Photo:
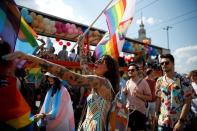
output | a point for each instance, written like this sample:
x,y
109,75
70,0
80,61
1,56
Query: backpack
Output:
x,y
118,115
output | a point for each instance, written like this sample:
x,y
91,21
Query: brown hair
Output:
x,y
113,72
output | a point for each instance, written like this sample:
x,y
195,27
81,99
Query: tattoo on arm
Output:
x,y
73,78
45,65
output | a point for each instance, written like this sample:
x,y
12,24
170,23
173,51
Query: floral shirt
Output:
x,y
172,95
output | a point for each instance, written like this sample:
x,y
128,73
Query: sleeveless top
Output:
x,y
97,109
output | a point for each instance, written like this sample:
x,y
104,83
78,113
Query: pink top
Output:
x,y
134,102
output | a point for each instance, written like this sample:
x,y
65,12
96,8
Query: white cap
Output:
x,y
49,74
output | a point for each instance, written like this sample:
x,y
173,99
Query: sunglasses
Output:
x,y
166,63
43,71
132,70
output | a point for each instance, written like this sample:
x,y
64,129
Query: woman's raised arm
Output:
x,y
58,70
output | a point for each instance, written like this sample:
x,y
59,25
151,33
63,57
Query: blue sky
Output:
x,y
181,15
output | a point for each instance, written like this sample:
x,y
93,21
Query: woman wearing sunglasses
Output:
x,y
104,85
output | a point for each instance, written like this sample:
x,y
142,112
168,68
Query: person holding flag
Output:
x,y
14,111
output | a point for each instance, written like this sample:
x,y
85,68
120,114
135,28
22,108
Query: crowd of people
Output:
x,y
165,103
49,53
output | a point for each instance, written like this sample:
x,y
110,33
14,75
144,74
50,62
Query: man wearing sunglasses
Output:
x,y
174,93
138,92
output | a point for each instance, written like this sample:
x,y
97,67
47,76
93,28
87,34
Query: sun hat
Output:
x,y
49,74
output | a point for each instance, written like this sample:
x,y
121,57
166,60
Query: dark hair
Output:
x,y
73,50
56,86
168,56
20,72
4,50
64,46
52,49
135,65
149,71
112,73
121,73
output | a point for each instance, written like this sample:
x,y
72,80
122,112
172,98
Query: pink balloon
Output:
x,y
80,32
75,31
62,25
67,25
59,30
64,29
70,31
73,25
56,24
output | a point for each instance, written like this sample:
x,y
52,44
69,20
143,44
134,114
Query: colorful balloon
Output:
x,y
28,19
67,25
57,39
70,31
33,15
60,43
24,12
39,18
68,43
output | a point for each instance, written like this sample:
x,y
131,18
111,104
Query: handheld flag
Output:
x,y
13,26
114,15
113,41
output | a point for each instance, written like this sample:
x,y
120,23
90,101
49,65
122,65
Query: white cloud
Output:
x,y
148,21
59,9
54,7
185,59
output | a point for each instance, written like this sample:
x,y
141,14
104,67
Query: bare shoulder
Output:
x,y
98,82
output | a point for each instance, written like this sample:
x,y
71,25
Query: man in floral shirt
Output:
x,y
174,94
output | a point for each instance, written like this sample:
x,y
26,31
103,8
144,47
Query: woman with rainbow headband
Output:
x,y
14,110
57,112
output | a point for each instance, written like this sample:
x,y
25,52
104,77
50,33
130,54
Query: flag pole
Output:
x,y
87,30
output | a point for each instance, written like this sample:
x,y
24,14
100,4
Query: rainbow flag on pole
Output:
x,y
114,15
13,26
113,45
113,40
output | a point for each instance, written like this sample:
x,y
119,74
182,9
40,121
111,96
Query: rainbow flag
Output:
x,y
26,33
13,26
119,18
14,110
113,45
114,15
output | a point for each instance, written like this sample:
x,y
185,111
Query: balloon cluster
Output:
x,y
45,25
67,29
25,14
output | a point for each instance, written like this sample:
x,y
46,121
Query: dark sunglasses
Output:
x,y
166,63
132,70
43,71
